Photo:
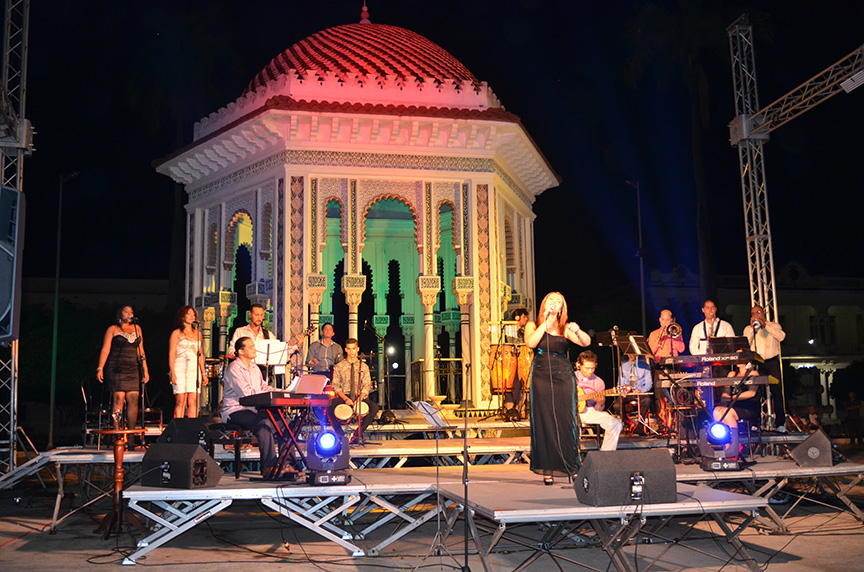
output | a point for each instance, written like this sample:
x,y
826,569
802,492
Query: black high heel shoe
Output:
x,y
548,480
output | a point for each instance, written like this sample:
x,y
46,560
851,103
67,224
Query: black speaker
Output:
x,y
815,451
186,431
179,467
11,261
638,476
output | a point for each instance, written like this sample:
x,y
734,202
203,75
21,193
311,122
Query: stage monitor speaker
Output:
x,y
638,476
179,467
186,431
11,261
815,451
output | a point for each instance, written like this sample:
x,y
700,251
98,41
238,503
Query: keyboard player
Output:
x,y
747,406
242,378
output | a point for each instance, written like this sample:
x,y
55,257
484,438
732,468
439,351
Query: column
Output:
x,y
381,323
407,325
463,287
428,287
316,285
353,286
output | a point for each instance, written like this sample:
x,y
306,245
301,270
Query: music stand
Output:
x,y
635,345
433,417
728,345
271,353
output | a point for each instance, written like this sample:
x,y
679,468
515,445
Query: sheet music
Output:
x,y
271,352
430,414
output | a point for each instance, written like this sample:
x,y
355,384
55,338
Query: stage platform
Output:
x,y
381,506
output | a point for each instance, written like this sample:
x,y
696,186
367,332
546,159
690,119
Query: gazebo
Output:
x,y
365,171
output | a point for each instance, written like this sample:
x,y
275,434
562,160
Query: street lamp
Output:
x,y
53,392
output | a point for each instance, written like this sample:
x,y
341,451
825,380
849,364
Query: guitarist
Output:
x,y
588,382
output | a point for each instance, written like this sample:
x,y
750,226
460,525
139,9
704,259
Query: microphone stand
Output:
x,y
465,567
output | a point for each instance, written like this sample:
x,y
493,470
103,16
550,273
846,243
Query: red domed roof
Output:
x,y
365,50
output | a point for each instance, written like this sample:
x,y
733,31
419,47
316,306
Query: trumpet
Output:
x,y
673,330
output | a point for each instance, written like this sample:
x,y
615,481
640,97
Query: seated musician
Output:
x,y
588,382
748,406
323,354
242,377
352,384
636,374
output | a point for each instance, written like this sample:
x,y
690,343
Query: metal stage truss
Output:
x,y
498,507
344,515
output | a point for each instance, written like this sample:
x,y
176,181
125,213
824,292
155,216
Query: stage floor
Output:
x,y
251,533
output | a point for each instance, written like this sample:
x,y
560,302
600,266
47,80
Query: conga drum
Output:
x,y
526,358
502,364
344,412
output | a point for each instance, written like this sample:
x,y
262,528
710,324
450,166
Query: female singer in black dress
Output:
x,y
553,389
123,364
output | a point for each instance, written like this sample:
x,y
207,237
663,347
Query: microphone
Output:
x,y
756,326
134,320
195,324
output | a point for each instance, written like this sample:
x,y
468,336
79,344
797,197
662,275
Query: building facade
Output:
x,y
361,159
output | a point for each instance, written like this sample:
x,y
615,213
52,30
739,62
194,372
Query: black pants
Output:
x,y
772,367
265,432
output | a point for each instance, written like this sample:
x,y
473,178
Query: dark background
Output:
x,y
114,86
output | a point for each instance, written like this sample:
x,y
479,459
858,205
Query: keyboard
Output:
x,y
708,359
719,381
285,399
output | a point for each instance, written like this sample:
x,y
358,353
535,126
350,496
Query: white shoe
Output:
x,y
781,429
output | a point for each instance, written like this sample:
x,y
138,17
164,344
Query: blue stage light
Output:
x,y
327,443
719,434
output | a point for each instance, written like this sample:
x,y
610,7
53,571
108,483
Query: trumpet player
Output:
x,y
764,338
667,340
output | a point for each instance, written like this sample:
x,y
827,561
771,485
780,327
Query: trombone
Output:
x,y
673,331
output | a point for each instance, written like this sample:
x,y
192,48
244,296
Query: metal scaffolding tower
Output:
x,y
750,130
16,137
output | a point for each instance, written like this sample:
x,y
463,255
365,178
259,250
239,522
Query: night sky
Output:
x,y
113,86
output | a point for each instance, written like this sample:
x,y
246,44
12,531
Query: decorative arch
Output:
x,y
454,234
324,204
398,199
231,236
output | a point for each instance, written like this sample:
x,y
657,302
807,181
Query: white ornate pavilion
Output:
x,y
360,151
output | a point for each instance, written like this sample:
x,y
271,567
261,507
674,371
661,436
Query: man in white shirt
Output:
x,y
765,338
710,327
254,329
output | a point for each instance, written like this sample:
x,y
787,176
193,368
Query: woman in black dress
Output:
x,y
553,389
123,364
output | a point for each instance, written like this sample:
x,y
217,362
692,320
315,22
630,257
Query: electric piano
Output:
x,y
276,404
691,380
707,359
276,399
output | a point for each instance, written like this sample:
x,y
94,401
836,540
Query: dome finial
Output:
x,y
364,15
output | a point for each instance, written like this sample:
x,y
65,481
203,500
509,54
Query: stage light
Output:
x,y
395,365
811,341
719,434
391,350
718,445
327,444
327,458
